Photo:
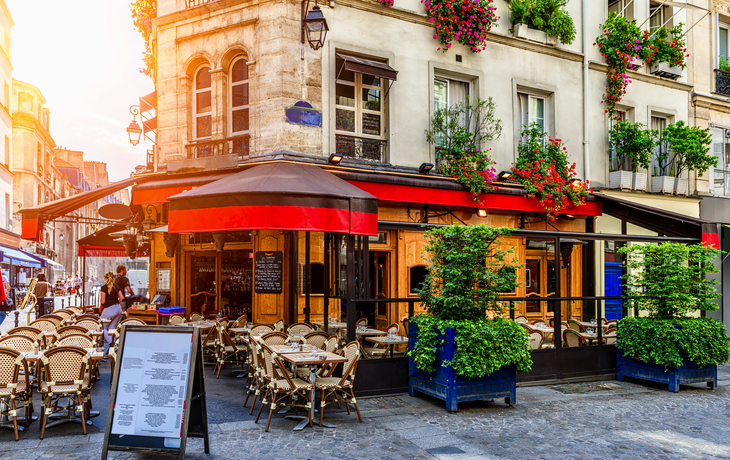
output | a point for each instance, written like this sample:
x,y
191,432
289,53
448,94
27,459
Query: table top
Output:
x,y
306,359
239,330
385,340
589,324
287,349
34,356
334,325
368,332
195,324
106,320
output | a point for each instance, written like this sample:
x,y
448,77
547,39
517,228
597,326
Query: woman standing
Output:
x,y
111,296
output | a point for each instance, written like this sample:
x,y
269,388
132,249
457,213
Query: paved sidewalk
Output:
x,y
598,420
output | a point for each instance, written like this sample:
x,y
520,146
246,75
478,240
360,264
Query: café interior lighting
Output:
x,y
425,168
334,159
482,212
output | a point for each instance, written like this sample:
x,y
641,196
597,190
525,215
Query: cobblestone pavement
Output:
x,y
597,420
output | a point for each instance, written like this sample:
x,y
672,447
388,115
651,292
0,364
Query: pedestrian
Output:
x,y
5,306
42,291
111,297
123,282
77,285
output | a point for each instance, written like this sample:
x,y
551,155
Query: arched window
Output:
x,y
239,96
202,102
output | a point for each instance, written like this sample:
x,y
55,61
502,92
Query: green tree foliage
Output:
x,y
468,270
143,12
632,141
690,147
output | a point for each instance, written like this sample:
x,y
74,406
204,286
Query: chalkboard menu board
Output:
x,y
268,269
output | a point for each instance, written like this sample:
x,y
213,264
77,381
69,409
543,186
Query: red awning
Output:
x,y
495,201
157,190
35,217
102,244
284,196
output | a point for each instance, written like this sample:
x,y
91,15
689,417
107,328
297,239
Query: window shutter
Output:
x,y
723,42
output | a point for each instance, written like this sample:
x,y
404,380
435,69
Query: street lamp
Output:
x,y
149,223
314,25
133,130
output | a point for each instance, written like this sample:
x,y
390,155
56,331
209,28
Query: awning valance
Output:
x,y
35,217
284,196
102,244
156,190
22,258
50,262
368,67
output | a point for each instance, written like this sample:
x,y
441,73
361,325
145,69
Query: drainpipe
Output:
x,y
586,129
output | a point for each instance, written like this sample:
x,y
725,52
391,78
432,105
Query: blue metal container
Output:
x,y
685,374
445,385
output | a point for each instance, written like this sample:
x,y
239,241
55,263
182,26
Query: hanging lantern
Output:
x,y
171,240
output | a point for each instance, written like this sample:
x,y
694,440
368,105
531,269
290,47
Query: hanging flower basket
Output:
x,y
466,22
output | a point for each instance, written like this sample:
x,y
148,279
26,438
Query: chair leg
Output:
x,y
354,403
248,393
255,397
83,411
321,408
13,407
261,406
44,416
271,412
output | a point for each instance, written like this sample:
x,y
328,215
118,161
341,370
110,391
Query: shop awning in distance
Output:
x,y
18,257
35,216
663,222
283,196
102,244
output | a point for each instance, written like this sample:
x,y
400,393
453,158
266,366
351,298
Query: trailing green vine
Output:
x,y
459,132
703,341
143,12
468,270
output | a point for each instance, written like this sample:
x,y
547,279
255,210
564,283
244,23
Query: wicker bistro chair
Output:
x,y
68,330
89,324
131,321
87,316
254,373
279,325
536,339
274,338
317,339
15,390
378,349
330,346
58,320
75,310
30,332
301,329
228,351
195,317
339,389
572,338
240,322
361,322
521,319
64,379
175,320
21,343
575,325
281,387
77,340
44,325
261,329
539,323
610,337
66,315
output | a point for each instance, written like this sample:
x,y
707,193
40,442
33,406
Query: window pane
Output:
x,y
240,120
343,74
371,124
345,95
371,99
203,78
370,80
240,95
440,95
202,128
719,182
240,71
657,18
202,102
345,120
537,112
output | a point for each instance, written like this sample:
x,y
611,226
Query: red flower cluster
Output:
x,y
464,21
387,3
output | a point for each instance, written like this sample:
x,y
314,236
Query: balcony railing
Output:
x,y
361,148
722,82
194,3
238,145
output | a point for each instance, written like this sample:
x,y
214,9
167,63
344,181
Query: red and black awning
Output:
x,y
284,196
103,244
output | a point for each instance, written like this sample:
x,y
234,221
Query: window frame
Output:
x,y
720,27
447,80
197,91
627,6
247,106
359,110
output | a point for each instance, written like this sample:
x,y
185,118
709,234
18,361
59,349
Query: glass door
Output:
x,y
539,282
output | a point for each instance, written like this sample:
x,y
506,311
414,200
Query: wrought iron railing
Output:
x,y
194,3
238,145
722,82
361,148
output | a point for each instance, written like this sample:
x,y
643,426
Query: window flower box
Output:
x,y
446,386
680,186
664,69
685,374
662,184
620,180
520,30
552,40
636,63
638,181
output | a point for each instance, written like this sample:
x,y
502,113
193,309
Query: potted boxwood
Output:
x,y
630,142
548,17
670,343
690,146
463,348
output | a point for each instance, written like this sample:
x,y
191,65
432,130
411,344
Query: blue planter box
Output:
x,y
445,385
686,374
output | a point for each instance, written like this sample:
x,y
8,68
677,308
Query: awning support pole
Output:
x,y
83,278
307,277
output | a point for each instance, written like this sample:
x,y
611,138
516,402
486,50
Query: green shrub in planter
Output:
x,y
668,283
468,270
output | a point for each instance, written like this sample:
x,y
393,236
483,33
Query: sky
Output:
x,y
84,56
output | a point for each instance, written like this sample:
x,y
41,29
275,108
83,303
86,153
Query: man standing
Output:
x,y
123,283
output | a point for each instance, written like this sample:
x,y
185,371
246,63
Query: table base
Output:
x,y
8,424
304,422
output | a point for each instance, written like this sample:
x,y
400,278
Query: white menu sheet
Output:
x,y
153,381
